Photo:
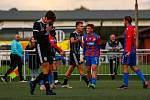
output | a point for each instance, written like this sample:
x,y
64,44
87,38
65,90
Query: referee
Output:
x,y
40,33
16,59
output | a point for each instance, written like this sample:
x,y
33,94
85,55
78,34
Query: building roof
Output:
x,y
73,15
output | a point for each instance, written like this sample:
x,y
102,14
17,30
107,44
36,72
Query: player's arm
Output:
x,y
84,45
54,45
72,39
119,47
128,41
98,41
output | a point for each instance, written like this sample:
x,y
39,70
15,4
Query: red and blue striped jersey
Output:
x,y
91,45
130,39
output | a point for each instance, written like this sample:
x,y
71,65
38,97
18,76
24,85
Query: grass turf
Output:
x,y
105,90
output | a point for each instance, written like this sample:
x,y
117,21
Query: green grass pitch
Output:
x,y
105,90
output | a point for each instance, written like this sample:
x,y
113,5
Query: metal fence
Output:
x,y
143,62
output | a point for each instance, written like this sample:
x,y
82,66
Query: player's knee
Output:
x,y
93,68
45,71
54,68
54,63
88,68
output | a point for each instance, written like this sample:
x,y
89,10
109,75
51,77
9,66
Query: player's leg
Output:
x,y
19,63
80,68
136,70
89,75
12,67
88,68
70,69
111,68
55,72
94,62
140,75
68,74
125,61
83,76
116,65
125,77
49,78
44,59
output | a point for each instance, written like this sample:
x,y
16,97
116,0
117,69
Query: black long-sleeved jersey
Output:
x,y
39,32
75,47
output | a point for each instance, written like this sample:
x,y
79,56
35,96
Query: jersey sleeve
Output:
x,y
53,44
98,41
72,35
84,44
37,30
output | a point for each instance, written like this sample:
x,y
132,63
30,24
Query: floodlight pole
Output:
x,y
136,23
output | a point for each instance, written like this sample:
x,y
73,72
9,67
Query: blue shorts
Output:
x,y
91,60
130,60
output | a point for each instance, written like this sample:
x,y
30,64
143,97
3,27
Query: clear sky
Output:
x,y
72,4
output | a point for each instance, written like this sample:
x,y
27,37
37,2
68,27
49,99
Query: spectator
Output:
x,y
32,59
113,46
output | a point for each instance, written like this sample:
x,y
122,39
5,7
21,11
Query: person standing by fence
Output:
x,y
129,54
33,61
16,58
113,46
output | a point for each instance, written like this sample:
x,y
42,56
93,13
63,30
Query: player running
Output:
x,y
129,54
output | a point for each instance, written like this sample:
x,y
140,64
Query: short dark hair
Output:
x,y
128,18
90,25
78,22
50,15
112,34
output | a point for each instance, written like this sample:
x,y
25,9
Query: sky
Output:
x,y
72,4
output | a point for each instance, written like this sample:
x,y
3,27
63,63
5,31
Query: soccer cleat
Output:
x,y
50,92
4,79
32,87
66,86
123,87
57,83
92,86
145,84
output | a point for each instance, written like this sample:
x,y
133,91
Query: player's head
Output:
x,y
112,37
50,17
79,26
89,28
32,40
17,37
127,20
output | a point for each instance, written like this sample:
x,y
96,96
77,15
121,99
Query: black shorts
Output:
x,y
44,53
74,59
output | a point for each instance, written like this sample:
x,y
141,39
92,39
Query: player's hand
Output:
x,y
48,29
113,48
62,53
127,54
